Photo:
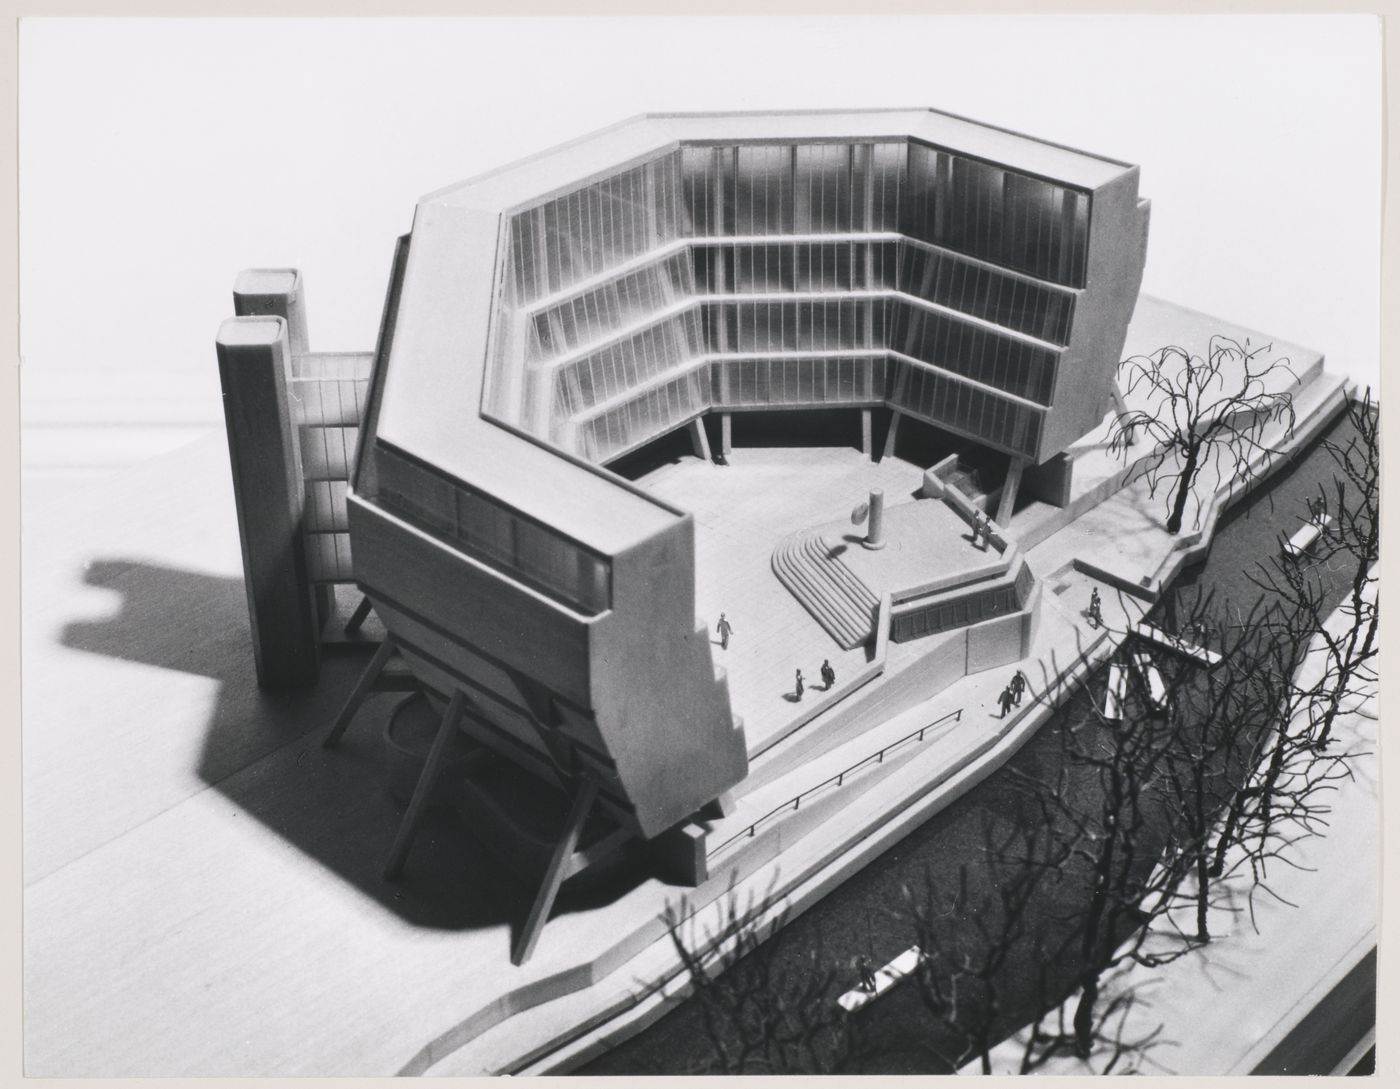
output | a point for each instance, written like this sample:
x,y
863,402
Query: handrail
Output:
x,y
839,779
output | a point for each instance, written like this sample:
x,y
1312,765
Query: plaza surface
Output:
x,y
925,543
744,508
202,891
741,511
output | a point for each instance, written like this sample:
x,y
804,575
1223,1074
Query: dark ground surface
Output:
x,y
819,949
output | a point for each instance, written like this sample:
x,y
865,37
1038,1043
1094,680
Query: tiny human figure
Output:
x,y
1317,508
981,532
1006,699
867,975
1096,608
799,684
723,630
1018,686
828,674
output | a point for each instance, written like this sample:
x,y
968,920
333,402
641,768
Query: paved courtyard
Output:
x,y
741,512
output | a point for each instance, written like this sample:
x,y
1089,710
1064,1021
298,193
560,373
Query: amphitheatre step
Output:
x,y
850,585
841,624
835,597
815,595
849,594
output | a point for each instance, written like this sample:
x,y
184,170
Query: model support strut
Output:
x,y
561,863
427,779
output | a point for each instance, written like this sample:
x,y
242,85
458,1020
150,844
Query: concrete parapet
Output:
x,y
995,643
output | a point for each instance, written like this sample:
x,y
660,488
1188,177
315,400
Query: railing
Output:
x,y
794,804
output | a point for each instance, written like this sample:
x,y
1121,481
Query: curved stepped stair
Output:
x,y
839,601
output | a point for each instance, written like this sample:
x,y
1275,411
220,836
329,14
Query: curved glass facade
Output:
x,y
733,276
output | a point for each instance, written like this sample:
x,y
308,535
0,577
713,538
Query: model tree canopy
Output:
x,y
1204,412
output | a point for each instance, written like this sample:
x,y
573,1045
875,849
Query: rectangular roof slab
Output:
x,y
568,166
432,395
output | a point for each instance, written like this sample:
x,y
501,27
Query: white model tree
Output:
x,y
1200,413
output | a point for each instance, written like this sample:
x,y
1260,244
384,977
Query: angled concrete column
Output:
x,y
891,434
262,292
1007,506
1120,406
269,492
699,441
554,874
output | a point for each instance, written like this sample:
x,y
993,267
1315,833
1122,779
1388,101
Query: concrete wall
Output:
x,y
1118,222
664,715
632,692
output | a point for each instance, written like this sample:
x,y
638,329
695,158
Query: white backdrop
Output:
x,y
159,157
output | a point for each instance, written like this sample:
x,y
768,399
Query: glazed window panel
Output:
x,y
751,379
522,258
976,211
697,190
858,165
876,375
837,188
771,324
887,168
492,533
774,387
775,260
1021,306
945,268
850,331
917,192
485,526
743,270
547,559
551,246
760,173
814,266
727,211
823,178
743,388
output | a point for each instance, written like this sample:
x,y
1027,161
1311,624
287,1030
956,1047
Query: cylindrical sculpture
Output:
x,y
874,537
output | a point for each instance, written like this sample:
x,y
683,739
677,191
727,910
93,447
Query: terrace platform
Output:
x,y
927,549
741,510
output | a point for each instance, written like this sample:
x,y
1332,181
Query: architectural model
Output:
x,y
539,483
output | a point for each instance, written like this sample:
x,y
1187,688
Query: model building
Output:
x,y
552,317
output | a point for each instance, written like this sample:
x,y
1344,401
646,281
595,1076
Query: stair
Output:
x,y
835,597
